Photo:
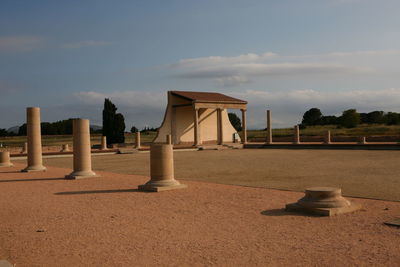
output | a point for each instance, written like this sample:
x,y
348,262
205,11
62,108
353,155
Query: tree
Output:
x,y
312,117
134,129
350,118
392,118
113,123
235,121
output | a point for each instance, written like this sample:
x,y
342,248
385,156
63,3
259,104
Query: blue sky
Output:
x,y
288,56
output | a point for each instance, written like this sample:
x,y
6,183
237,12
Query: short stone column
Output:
x,y
269,127
296,139
82,153
65,148
326,201
168,139
24,148
35,162
5,159
363,140
327,137
161,169
104,143
137,140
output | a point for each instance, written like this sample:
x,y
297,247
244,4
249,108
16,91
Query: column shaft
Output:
x,y
34,140
269,127
244,126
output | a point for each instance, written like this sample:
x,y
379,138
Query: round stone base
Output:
x,y
325,201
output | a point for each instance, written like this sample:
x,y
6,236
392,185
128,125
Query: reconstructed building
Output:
x,y
200,118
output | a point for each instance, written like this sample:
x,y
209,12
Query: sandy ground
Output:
x,y
360,173
48,221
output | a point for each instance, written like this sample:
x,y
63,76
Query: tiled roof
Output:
x,y
208,97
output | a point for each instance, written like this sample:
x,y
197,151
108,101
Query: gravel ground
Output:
x,y
48,221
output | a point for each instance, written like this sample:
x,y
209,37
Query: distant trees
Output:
x,y
134,129
51,128
113,123
312,117
350,118
235,121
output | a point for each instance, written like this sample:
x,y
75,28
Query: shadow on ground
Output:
x,y
283,212
98,192
31,180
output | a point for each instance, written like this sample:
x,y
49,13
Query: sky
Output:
x,y
284,55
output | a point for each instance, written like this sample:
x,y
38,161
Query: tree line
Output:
x,y
350,118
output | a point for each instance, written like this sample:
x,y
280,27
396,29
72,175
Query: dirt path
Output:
x,y
48,221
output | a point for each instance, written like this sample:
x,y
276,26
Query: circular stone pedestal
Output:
x,y
5,159
325,201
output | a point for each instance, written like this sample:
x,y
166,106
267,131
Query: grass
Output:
x,y
361,130
58,140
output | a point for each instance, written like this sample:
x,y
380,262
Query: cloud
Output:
x,y
236,70
20,43
88,43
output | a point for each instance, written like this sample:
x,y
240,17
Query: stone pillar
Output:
x,y
196,127
244,126
328,137
137,139
82,153
161,170
269,127
168,139
220,127
363,140
5,159
34,140
104,143
24,148
65,148
296,135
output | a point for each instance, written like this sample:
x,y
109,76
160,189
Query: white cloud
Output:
x,y
20,43
88,43
232,71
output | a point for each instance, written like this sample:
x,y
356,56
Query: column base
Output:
x,y
323,211
6,165
34,169
161,185
151,188
78,175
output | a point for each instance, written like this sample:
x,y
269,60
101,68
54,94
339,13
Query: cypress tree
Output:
x,y
113,123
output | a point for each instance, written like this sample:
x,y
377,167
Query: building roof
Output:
x,y
208,97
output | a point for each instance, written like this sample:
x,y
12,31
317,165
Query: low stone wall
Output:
x,y
394,138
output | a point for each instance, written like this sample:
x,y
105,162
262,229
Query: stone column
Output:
x,y
196,127
65,148
168,139
82,153
363,140
24,148
328,137
296,135
34,140
104,143
220,126
137,139
161,169
244,126
5,159
269,127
